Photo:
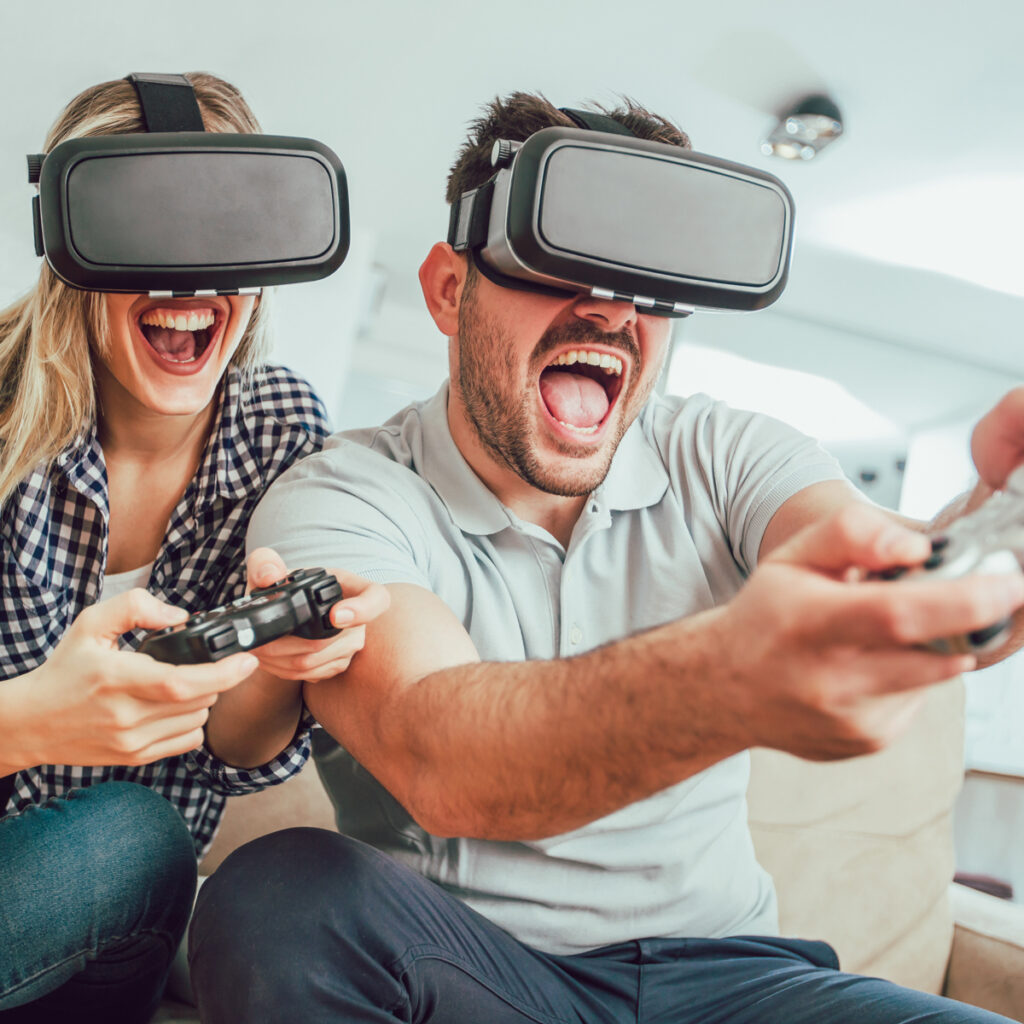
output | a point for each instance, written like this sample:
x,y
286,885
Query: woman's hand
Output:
x,y
93,704
295,658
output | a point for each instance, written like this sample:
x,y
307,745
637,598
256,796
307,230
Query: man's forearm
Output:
x,y
518,750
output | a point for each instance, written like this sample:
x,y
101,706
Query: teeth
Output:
x,y
177,320
609,363
581,430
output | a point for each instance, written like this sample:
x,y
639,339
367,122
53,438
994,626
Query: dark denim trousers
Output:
x,y
305,925
96,890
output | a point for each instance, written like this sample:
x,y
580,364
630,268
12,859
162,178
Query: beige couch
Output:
x,y
861,852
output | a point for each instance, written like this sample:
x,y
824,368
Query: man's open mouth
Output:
x,y
580,387
179,335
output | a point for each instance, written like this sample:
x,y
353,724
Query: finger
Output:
x,y
362,603
330,670
918,610
134,609
153,711
859,535
303,661
152,680
997,443
292,647
264,567
171,746
905,670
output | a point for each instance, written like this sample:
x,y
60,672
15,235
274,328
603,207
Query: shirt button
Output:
x,y
575,635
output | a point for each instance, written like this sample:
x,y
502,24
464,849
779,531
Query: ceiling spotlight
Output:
x,y
807,129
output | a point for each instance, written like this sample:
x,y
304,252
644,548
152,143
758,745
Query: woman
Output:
x,y
136,436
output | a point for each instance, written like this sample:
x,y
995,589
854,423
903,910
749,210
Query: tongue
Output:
x,y
573,398
179,346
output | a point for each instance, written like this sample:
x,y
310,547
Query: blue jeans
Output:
x,y
96,893
310,926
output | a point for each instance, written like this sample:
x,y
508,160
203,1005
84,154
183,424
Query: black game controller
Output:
x,y
988,540
299,604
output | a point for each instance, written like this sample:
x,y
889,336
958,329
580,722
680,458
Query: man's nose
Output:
x,y
609,315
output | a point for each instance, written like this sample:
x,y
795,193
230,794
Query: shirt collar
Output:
x,y
470,503
228,469
636,479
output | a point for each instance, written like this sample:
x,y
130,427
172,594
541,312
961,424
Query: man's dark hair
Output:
x,y
517,116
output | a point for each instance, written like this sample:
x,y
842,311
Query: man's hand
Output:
x,y
93,704
295,658
825,664
997,444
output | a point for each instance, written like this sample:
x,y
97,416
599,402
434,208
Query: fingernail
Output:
x,y
265,570
341,616
248,663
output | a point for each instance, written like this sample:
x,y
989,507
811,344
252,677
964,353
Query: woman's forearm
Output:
x,y
251,724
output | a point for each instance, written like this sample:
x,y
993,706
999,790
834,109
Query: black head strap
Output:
x,y
595,122
168,103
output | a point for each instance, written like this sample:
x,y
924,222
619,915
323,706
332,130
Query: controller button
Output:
x,y
221,639
893,573
246,636
980,637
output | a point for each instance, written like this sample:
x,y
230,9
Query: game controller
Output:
x,y
300,604
988,540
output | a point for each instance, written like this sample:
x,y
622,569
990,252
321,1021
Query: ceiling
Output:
x,y
910,229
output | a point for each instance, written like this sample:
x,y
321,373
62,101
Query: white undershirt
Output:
x,y
115,583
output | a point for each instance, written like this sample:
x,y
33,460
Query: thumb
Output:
x,y
264,567
857,536
135,609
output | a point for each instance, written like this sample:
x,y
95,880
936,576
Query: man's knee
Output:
x,y
289,886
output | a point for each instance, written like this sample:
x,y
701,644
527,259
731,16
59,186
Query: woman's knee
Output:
x,y
139,836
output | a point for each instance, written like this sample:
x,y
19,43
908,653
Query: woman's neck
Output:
x,y
129,432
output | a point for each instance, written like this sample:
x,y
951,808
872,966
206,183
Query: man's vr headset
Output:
x,y
180,211
596,210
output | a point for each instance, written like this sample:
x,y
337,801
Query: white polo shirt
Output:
x,y
673,530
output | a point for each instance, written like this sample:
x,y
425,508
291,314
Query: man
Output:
x,y
546,733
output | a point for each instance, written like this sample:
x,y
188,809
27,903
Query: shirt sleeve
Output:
x,y
349,508
746,464
228,780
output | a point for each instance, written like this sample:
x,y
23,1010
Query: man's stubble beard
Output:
x,y
502,416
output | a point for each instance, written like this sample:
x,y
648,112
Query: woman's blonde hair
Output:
x,y
46,380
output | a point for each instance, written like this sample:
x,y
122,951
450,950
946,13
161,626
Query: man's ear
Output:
x,y
442,277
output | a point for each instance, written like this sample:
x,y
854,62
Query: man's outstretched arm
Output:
x,y
801,660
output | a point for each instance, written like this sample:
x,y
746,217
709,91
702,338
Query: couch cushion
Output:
x,y
862,850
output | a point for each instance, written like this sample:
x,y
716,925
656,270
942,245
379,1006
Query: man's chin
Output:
x,y
570,475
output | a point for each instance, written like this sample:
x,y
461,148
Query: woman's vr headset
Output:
x,y
596,210
181,211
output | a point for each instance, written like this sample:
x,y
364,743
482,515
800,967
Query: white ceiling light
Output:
x,y
805,130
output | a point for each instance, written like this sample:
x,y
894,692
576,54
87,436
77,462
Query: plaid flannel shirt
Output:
x,y
54,554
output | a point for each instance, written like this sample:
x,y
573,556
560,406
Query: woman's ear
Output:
x,y
442,277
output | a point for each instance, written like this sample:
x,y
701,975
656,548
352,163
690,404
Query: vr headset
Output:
x,y
180,211
594,209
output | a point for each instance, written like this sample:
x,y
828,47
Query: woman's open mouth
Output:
x,y
579,388
180,338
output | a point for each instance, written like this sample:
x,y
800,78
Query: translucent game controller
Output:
x,y
299,604
988,540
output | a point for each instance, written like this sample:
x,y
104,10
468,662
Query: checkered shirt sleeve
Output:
x,y
54,552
